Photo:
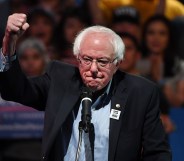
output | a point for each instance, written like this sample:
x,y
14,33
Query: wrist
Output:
x,y
9,43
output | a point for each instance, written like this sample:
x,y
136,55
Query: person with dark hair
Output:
x,y
42,26
54,6
126,19
73,21
156,41
132,54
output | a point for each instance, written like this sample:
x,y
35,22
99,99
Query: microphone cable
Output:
x,y
79,142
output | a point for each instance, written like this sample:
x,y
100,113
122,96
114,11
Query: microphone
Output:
x,y
85,123
86,109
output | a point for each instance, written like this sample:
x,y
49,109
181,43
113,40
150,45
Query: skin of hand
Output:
x,y
167,123
16,26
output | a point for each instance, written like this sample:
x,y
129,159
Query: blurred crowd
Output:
x,y
152,30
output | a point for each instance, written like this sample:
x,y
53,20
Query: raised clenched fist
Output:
x,y
16,26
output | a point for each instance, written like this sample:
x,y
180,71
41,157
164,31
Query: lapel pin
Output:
x,y
117,105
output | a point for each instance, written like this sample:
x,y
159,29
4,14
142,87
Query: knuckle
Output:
x,y
19,23
10,17
23,16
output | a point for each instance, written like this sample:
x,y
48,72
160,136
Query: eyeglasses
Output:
x,y
103,62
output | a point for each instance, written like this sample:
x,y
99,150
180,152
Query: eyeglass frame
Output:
x,y
83,61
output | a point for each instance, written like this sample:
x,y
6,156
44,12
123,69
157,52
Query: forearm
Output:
x,y
15,86
9,44
16,26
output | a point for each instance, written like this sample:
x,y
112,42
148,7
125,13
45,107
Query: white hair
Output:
x,y
114,39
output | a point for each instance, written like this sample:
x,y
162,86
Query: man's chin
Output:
x,y
93,87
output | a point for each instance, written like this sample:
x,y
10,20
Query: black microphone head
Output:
x,y
86,92
86,101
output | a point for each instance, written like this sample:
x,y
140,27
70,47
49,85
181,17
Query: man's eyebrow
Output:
x,y
96,58
85,56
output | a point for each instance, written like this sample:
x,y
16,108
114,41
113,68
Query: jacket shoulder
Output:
x,y
56,67
135,82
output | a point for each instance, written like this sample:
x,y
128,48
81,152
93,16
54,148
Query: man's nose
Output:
x,y
94,67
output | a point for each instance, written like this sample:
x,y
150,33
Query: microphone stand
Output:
x,y
85,123
86,127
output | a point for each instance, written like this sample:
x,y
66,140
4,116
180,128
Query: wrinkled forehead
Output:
x,y
98,35
97,41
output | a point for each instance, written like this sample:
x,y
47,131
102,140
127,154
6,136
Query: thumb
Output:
x,y
25,26
23,29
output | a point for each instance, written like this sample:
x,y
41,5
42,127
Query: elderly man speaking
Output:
x,y
124,109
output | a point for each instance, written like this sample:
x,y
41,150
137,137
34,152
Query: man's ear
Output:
x,y
118,63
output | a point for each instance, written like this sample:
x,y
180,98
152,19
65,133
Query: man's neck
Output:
x,y
98,93
104,90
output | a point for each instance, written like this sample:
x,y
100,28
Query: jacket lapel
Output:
x,y
118,102
71,97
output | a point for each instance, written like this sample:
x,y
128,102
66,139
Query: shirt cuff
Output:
x,y
5,61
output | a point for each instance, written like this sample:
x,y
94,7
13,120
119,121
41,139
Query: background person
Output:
x,y
43,25
147,8
156,41
127,19
129,64
32,57
132,54
73,22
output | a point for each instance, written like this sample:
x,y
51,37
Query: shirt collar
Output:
x,y
100,101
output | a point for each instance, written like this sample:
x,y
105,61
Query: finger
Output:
x,y
13,29
16,22
22,18
19,21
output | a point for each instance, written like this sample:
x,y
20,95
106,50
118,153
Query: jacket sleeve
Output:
x,y
15,86
155,145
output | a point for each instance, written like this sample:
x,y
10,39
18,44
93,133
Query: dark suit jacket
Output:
x,y
137,135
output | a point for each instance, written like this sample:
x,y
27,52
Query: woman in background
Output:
x,y
72,23
156,43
